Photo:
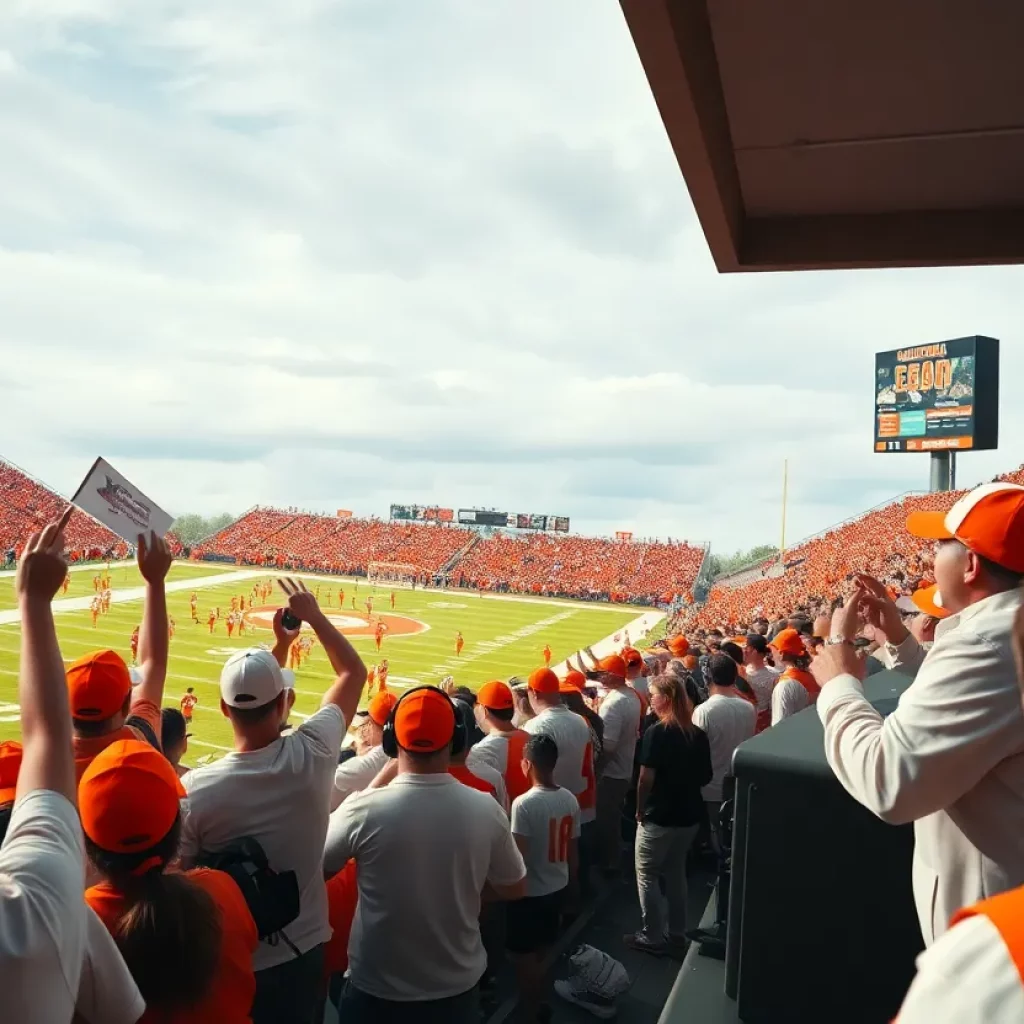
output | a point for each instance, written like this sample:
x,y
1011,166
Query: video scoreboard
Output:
x,y
422,513
938,397
513,520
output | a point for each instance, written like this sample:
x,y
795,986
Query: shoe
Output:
x,y
678,945
637,940
600,1008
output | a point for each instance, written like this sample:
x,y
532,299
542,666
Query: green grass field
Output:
x,y
502,638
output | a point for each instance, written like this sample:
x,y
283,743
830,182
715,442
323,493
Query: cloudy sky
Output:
x,y
339,253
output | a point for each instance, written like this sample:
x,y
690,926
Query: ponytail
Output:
x,y
170,928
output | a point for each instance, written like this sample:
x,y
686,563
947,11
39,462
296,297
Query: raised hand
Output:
x,y
43,567
282,635
154,558
301,603
879,609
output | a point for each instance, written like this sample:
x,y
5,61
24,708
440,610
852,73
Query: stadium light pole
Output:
x,y
785,492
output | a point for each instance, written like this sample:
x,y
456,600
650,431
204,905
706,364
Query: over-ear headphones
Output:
x,y
460,732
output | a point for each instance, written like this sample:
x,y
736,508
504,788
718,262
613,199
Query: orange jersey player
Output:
x,y
382,676
230,622
241,624
294,655
234,604
96,584
379,634
459,644
170,627
341,598
67,583
547,654
241,603
94,608
135,644
107,597
212,621
369,606
392,600
193,602
188,702
328,597
371,678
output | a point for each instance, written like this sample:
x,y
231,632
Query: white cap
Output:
x,y
250,679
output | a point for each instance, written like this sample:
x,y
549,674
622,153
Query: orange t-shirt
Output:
x,y
87,747
467,778
229,1000
342,896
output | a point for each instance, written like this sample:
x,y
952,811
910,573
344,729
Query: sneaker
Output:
x,y
601,1008
637,940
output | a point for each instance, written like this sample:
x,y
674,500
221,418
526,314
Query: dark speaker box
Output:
x,y
822,925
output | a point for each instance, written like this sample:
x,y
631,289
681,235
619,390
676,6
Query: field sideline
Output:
x,y
504,635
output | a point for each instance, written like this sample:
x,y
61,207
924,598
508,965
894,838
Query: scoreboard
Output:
x,y
938,397
513,520
422,513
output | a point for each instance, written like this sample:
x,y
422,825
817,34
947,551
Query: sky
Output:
x,y
343,253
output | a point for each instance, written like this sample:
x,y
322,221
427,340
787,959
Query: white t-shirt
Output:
x,y
280,796
788,698
571,735
107,993
425,846
548,819
762,681
728,721
43,936
620,712
492,751
356,774
487,773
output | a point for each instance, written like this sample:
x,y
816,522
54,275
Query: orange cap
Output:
x,y
495,696
98,684
739,641
989,520
128,797
690,662
631,656
789,641
928,601
10,765
613,665
543,680
575,680
424,721
679,646
381,705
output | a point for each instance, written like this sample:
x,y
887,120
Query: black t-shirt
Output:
x,y
682,764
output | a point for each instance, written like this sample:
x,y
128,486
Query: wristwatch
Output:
x,y
836,641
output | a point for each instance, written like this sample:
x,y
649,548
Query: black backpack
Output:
x,y
272,896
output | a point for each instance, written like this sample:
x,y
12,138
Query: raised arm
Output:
x,y
47,758
346,690
154,557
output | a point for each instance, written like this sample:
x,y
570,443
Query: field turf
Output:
x,y
502,638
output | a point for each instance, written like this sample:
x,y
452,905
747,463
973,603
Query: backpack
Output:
x,y
272,896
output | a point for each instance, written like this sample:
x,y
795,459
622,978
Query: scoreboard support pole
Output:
x,y
941,475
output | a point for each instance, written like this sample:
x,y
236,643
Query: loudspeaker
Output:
x,y
822,925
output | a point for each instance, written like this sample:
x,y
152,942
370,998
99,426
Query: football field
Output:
x,y
504,635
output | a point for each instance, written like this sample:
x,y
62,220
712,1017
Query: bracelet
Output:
x,y
837,641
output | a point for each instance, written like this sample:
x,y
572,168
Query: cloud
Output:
x,y
340,254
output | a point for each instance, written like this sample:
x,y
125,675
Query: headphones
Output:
x,y
460,730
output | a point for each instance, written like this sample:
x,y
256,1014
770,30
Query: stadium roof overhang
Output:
x,y
816,135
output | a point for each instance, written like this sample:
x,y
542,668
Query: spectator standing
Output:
x,y
728,719
761,677
188,938
620,711
503,744
105,707
425,848
950,758
174,737
358,772
796,687
484,777
546,827
675,762
277,789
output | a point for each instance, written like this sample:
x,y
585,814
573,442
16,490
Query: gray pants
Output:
x,y
661,853
611,794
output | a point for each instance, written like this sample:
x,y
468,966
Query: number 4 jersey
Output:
x,y
549,821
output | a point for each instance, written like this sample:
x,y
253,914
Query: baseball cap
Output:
x,y
10,765
574,682
631,656
128,797
543,680
788,641
989,520
929,601
424,721
613,665
380,707
250,679
495,696
679,646
98,684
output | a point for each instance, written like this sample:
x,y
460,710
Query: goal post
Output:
x,y
393,572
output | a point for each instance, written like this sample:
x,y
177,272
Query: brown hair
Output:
x,y
169,929
680,714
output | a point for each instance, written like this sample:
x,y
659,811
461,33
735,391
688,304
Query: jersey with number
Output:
x,y
549,820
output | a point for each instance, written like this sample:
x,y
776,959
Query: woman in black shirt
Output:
x,y
675,761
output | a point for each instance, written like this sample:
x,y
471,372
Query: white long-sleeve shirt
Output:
x,y
950,758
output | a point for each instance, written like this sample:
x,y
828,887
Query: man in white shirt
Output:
x,y
277,790
950,758
358,772
620,712
728,719
426,847
502,745
761,676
